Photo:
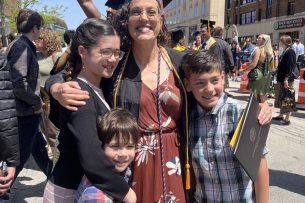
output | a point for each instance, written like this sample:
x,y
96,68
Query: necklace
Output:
x,y
154,72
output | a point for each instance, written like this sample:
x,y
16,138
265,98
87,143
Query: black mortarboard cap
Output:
x,y
195,34
207,23
175,29
115,4
204,23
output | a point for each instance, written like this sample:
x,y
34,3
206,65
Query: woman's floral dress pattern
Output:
x,y
147,173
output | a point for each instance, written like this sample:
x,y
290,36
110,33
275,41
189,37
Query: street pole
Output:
x,y
3,24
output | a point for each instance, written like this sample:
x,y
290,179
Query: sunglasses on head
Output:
x,y
247,41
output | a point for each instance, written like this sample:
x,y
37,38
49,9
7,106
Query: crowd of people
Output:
x,y
122,115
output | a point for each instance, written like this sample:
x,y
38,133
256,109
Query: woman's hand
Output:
x,y
286,84
69,95
265,114
240,71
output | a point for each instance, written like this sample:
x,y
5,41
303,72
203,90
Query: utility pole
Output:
x,y
3,24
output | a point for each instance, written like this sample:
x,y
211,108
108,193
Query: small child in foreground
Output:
x,y
213,121
119,134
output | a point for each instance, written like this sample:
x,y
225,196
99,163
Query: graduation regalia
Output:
x,y
176,35
209,25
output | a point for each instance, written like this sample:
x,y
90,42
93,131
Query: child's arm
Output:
x,y
262,182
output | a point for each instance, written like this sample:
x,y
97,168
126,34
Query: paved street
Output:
x,y
286,162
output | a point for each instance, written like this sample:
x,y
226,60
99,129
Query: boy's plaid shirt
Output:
x,y
219,176
90,194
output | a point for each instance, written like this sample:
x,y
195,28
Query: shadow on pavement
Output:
x,y
27,191
287,181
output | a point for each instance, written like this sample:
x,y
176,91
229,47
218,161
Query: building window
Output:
x,y
184,1
179,2
242,2
246,18
229,4
253,16
269,9
242,19
184,15
167,21
175,19
203,9
171,5
291,8
175,3
259,15
236,3
191,13
196,12
229,21
171,20
178,18
235,19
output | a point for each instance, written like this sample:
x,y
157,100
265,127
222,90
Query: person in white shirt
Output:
x,y
299,53
294,46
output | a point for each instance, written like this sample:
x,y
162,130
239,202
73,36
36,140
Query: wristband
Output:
x,y
67,52
285,81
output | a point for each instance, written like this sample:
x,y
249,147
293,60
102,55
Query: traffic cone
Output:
x,y
301,94
244,79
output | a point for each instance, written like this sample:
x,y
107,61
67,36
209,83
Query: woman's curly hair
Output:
x,y
120,23
51,40
87,35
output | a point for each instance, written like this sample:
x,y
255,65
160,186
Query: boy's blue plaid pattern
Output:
x,y
219,176
87,193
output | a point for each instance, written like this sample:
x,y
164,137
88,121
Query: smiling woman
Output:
x,y
147,82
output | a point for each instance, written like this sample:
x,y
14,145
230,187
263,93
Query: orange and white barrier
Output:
x,y
301,94
244,78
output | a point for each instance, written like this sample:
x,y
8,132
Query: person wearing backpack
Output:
x,y
285,77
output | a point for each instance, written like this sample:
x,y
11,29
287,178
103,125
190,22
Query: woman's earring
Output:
x,y
83,69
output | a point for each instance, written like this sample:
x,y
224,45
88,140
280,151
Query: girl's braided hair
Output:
x,y
87,35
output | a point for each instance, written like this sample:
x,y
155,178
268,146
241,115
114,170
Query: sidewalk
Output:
x,y
286,161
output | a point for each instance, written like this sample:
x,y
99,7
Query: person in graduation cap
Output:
x,y
197,45
92,12
209,43
178,40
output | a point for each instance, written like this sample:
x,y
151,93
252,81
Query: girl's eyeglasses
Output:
x,y
107,53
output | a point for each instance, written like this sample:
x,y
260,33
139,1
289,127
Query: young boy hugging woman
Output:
x,y
213,121
119,134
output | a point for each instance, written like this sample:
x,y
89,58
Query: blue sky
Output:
x,y
74,15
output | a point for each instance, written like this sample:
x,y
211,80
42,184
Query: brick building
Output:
x,y
272,17
189,12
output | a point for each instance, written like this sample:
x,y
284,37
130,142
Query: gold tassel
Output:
x,y
188,177
209,28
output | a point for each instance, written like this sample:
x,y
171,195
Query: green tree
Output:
x,y
50,15
61,35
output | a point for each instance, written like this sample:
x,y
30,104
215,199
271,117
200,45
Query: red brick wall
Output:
x,y
279,8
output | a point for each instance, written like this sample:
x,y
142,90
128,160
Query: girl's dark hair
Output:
x,y
234,42
119,124
202,61
87,35
120,23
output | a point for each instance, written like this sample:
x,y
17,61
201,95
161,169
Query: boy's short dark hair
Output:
x,y
119,124
27,19
68,36
202,61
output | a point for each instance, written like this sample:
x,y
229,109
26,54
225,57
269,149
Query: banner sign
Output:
x,y
285,24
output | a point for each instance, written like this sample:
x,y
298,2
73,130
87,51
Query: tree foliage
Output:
x,y
50,15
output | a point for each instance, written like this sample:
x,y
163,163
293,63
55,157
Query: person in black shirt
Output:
x,y
95,53
235,50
